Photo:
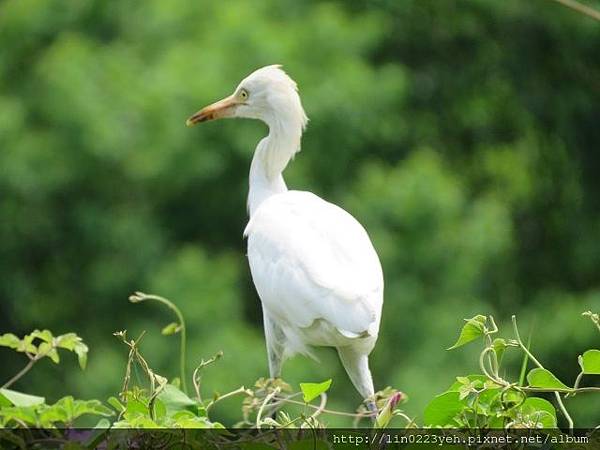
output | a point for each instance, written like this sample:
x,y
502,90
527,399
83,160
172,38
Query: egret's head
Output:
x,y
267,94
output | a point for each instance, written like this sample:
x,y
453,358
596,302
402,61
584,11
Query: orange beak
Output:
x,y
222,108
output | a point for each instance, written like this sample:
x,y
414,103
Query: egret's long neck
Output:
x,y
270,159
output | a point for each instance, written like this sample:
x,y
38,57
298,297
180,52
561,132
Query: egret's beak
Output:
x,y
218,110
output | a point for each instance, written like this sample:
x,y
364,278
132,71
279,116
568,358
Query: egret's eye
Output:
x,y
244,94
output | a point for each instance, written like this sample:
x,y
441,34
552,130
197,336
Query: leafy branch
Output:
x,y
503,399
486,400
40,344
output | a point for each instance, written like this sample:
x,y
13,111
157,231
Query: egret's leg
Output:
x,y
356,364
275,345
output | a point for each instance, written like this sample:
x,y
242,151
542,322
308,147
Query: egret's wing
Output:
x,y
312,260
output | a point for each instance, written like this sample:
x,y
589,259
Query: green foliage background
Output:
x,y
464,135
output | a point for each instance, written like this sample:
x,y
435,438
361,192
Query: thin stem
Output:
x,y
197,375
523,347
564,410
323,411
240,390
523,372
493,358
494,377
562,390
140,297
27,368
537,363
21,373
577,381
580,8
268,398
321,406
409,421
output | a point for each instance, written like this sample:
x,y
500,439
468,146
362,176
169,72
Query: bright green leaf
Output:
x,y
9,340
95,407
310,391
44,335
27,414
513,397
463,380
74,343
472,330
68,341
543,419
488,400
192,422
135,408
442,410
45,348
81,350
476,380
495,422
170,329
543,378
50,415
201,411
465,391
26,345
540,411
175,400
590,362
4,401
159,410
489,384
183,414
20,399
115,403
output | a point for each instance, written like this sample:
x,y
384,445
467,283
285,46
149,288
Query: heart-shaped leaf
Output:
x,y
590,362
540,411
543,378
442,410
310,391
473,329
20,399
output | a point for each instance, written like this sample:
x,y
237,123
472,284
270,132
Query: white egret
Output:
x,y
314,267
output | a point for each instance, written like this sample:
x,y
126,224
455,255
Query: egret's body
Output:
x,y
314,267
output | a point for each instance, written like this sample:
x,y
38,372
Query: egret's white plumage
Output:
x,y
314,267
